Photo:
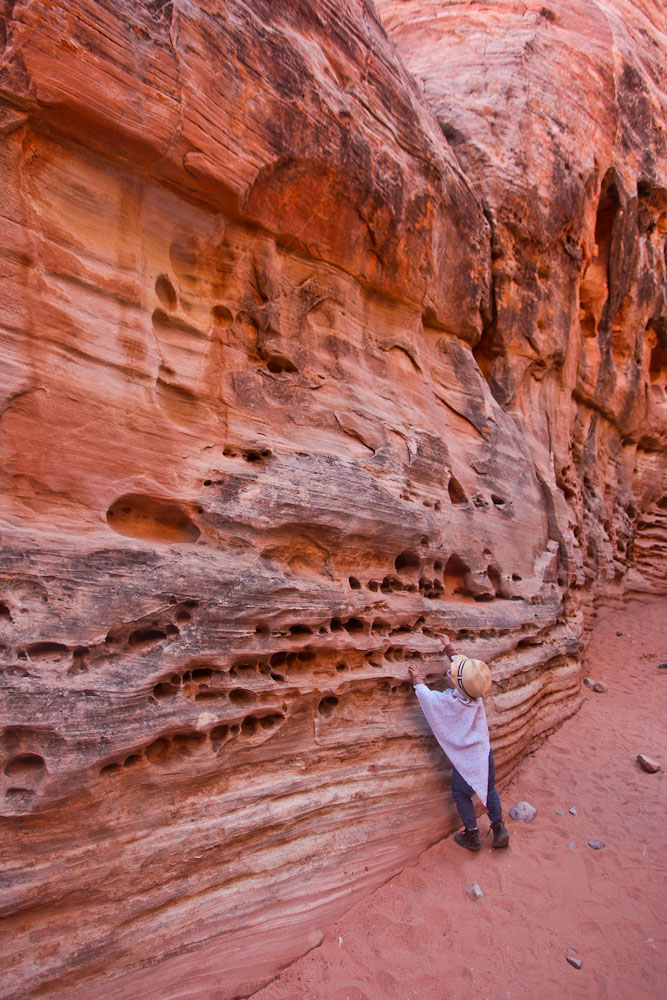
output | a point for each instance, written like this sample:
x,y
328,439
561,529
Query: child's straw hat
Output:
x,y
472,677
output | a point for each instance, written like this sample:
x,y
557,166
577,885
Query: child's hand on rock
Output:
x,y
444,639
416,675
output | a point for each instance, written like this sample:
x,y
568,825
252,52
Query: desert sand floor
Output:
x,y
419,937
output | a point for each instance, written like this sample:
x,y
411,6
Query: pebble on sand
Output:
x,y
573,810
648,763
524,812
559,812
572,847
596,844
662,666
589,682
474,891
600,687
576,962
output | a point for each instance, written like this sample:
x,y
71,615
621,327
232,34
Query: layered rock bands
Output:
x,y
318,332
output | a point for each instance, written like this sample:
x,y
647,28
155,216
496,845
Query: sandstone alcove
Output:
x,y
151,519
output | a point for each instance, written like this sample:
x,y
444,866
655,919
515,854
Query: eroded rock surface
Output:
x,y
557,116
303,355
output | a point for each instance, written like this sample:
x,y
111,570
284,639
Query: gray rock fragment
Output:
x,y
589,682
573,810
648,763
474,892
576,962
559,812
600,687
596,844
523,811
572,847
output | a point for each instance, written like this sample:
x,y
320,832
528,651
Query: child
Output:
x,y
458,721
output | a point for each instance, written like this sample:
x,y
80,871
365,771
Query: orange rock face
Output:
x,y
311,343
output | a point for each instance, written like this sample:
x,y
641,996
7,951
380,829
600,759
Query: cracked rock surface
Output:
x,y
314,338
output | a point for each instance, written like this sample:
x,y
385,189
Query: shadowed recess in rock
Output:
x,y
151,519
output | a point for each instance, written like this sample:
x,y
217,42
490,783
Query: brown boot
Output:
x,y
501,837
469,838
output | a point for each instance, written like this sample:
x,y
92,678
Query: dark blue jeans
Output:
x,y
463,793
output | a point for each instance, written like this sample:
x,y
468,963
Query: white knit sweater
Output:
x,y
460,727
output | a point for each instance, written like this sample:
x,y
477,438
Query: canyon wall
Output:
x,y
318,332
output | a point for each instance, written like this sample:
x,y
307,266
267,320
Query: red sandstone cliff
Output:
x,y
304,352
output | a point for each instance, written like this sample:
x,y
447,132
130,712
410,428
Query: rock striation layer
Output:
x,y
305,353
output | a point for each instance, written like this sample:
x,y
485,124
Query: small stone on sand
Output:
x,y
576,962
524,812
474,892
596,844
572,847
573,810
559,812
600,687
648,763
619,633
662,666
589,682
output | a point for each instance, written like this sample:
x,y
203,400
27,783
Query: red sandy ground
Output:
x,y
420,937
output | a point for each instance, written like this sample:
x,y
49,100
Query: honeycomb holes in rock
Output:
x,y
495,579
222,316
25,767
166,292
46,650
456,493
18,797
278,364
297,630
251,455
455,573
327,706
594,286
407,562
151,519
175,747
196,681
145,638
